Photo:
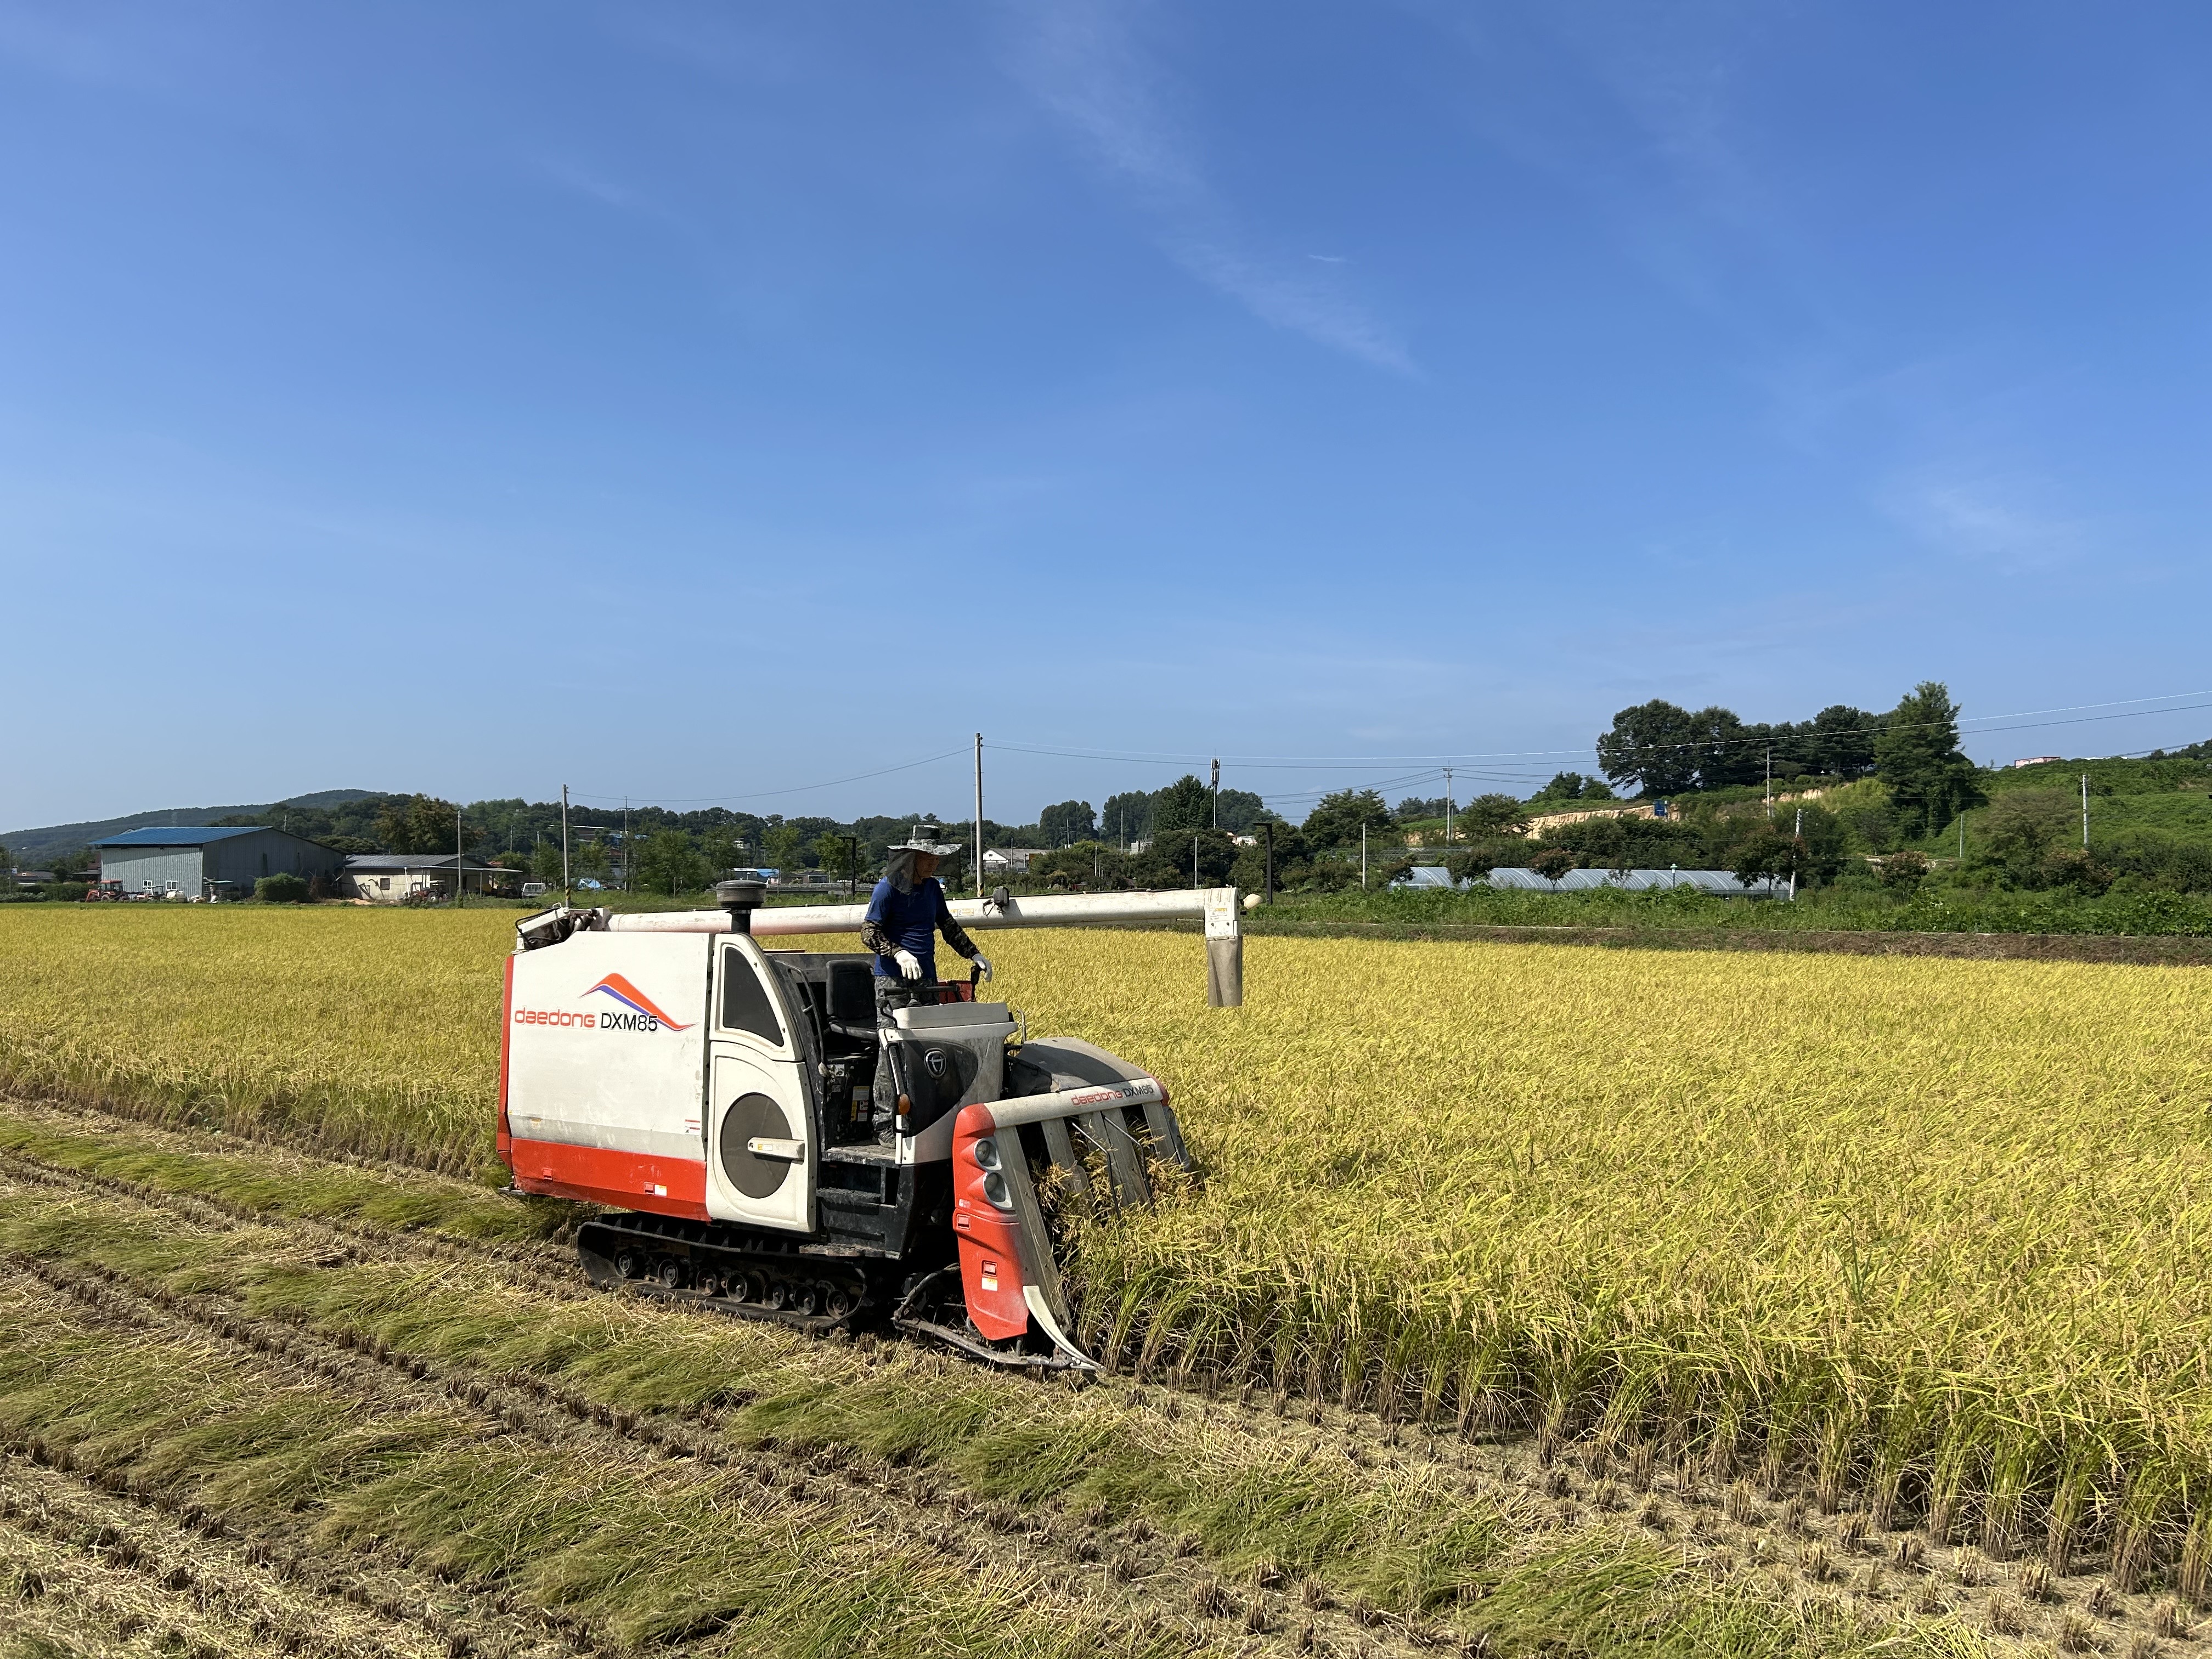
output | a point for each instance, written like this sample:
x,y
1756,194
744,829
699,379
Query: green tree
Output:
x,y
1338,817
1186,804
1241,810
1068,823
1493,815
1841,741
723,848
1917,756
1902,872
73,863
1566,787
422,824
782,848
2023,828
838,855
1216,853
1125,818
2072,867
1824,846
7,871
1652,746
669,863
281,889
588,859
1293,860
1764,853
545,863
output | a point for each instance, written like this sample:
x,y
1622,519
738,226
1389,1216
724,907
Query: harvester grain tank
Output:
x,y
718,1099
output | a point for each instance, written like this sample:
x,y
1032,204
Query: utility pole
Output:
x,y
2085,812
1363,858
461,858
1216,792
1793,855
626,882
564,844
979,815
1770,781
1267,828
1448,807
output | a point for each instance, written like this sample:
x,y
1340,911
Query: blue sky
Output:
x,y
698,401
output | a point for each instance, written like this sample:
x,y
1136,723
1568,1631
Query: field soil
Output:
x,y
2143,949
255,1401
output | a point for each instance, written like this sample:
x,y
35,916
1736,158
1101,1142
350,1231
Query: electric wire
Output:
x,y
2025,717
1975,725
794,789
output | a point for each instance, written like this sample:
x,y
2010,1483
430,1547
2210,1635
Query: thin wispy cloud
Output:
x,y
1988,518
1080,61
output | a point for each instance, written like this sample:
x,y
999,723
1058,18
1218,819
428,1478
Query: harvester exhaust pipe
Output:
x,y
738,900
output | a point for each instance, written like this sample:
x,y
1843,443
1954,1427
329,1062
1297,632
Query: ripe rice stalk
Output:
x,y
1742,1188
2193,1578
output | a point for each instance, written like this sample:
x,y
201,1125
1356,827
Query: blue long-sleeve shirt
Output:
x,y
910,921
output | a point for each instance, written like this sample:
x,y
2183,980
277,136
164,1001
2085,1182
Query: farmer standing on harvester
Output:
x,y
906,912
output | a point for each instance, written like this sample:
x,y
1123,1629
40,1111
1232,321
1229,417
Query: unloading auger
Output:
x,y
719,1100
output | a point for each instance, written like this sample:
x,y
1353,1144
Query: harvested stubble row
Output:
x,y
1207,1515
1928,1235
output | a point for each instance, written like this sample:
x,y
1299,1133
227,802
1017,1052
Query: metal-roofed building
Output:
x,y
394,877
198,863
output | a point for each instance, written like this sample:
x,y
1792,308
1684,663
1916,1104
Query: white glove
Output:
x,y
909,965
983,966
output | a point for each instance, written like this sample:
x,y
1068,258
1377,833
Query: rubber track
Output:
x,y
1159,1588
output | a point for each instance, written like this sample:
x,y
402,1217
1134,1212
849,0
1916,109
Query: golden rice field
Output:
x,y
1929,1236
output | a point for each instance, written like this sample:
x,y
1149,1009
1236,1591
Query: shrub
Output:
x,y
281,889
1902,871
1553,863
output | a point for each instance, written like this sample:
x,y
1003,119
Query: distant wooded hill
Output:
x,y
32,846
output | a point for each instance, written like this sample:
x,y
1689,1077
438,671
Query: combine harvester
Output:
x,y
721,1097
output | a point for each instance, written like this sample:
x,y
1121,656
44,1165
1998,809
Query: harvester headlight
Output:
x,y
987,1152
994,1188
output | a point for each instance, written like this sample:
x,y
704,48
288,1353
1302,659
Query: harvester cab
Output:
x,y
716,1102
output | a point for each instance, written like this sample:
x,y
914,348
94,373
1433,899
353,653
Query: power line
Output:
x,y
2027,716
2021,720
795,789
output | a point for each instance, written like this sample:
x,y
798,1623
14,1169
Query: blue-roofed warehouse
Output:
x,y
209,863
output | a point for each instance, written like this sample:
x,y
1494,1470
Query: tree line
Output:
x,y
1187,830
1659,750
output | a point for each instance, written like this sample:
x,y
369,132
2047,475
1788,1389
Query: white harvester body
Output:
x,y
770,1149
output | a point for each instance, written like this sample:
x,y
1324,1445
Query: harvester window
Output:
x,y
746,1005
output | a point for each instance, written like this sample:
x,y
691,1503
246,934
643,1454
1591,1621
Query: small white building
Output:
x,y
1009,860
392,877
